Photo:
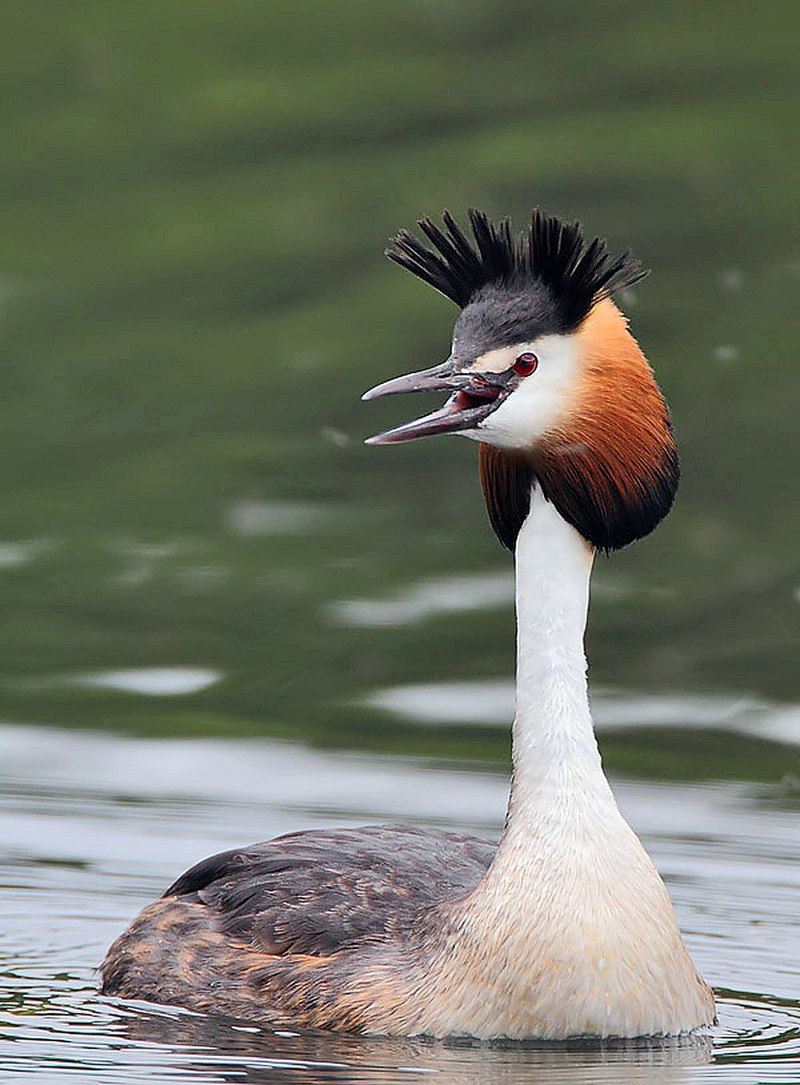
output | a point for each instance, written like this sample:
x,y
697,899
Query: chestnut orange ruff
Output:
x,y
610,467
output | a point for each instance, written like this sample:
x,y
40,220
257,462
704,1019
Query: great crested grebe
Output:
x,y
565,928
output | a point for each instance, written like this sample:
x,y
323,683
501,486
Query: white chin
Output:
x,y
472,434
490,435
540,401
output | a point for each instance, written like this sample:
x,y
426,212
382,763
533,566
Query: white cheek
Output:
x,y
539,402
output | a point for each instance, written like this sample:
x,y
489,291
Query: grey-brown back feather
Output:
x,y
317,892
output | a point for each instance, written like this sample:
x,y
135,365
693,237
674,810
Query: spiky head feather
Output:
x,y
550,254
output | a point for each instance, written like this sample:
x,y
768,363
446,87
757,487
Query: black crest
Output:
x,y
549,253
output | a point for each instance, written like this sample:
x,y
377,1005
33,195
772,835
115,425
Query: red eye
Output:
x,y
526,364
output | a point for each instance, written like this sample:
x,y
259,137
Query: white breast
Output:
x,y
571,932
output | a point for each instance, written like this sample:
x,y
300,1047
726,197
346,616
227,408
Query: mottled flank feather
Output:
x,y
280,931
317,891
549,253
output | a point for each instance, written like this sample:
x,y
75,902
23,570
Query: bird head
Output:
x,y
545,374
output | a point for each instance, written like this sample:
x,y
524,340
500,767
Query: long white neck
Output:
x,y
557,764
570,932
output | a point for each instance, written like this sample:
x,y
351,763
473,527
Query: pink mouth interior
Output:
x,y
467,400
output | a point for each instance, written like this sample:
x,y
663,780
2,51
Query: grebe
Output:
x,y
565,928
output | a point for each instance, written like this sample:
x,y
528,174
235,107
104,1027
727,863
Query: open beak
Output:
x,y
472,399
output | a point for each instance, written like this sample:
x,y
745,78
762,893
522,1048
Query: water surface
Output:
x,y
94,826
195,542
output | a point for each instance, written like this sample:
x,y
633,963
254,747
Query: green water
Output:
x,y
195,201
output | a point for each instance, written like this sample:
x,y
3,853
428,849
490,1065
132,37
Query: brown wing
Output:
x,y
318,892
278,932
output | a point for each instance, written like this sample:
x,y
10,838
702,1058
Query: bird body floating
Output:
x,y
564,929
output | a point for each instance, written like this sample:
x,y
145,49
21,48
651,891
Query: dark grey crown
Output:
x,y
549,254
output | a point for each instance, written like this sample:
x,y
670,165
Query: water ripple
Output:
x,y
130,813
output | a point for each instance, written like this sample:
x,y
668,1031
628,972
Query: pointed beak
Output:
x,y
473,398
439,378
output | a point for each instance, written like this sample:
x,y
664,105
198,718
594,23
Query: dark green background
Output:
x,y
195,200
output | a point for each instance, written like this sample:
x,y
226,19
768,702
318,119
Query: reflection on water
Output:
x,y
14,554
285,1057
250,517
444,595
155,681
492,703
92,826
